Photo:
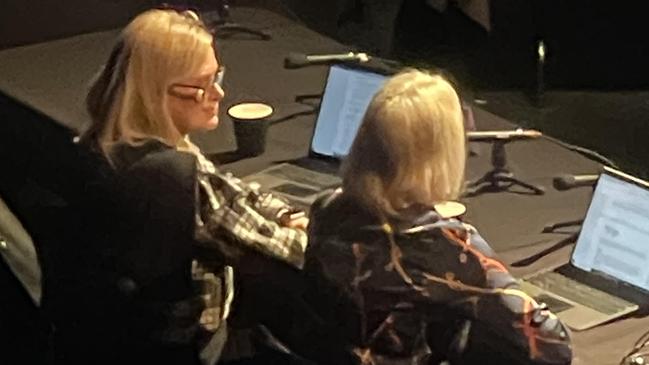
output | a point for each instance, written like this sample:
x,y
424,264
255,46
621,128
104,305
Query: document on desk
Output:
x,y
608,274
614,240
347,94
358,95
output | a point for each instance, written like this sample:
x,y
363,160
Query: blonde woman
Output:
x,y
163,289
406,283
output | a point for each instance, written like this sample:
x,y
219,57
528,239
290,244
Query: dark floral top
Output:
x,y
420,288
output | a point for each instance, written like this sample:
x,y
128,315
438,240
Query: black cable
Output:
x,y
304,99
629,358
292,115
535,257
583,151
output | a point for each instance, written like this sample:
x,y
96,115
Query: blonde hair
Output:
x,y
410,148
127,102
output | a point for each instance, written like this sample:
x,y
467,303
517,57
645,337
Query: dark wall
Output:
x,y
29,21
590,44
599,43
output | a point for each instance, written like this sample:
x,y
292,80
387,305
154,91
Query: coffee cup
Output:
x,y
250,121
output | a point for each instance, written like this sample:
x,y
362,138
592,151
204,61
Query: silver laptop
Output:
x,y
347,93
608,273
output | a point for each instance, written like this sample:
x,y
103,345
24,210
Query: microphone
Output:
x,y
517,134
297,60
566,182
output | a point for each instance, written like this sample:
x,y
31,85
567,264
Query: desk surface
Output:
x,y
53,77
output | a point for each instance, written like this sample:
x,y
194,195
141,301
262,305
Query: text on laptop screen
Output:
x,y
614,238
347,94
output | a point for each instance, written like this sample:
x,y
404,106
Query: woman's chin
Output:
x,y
212,123
204,125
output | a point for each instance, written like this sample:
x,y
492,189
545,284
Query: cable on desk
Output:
x,y
638,356
583,151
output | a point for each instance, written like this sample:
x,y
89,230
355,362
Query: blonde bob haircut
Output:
x,y
128,100
410,148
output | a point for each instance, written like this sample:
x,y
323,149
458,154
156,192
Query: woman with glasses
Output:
x,y
175,225
400,279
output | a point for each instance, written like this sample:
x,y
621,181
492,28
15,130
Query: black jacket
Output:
x,y
420,289
127,277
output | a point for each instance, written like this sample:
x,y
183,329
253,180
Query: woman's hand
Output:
x,y
294,219
298,223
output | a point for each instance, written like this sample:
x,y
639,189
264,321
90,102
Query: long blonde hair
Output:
x,y
410,148
127,102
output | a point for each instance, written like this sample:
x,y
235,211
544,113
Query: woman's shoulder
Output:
x,y
337,219
148,154
435,229
152,159
155,168
326,199
336,206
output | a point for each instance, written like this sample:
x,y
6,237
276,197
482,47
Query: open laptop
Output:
x,y
608,273
347,94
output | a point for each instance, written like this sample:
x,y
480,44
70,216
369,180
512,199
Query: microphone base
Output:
x,y
501,180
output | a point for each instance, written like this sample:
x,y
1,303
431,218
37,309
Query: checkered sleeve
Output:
x,y
232,210
269,205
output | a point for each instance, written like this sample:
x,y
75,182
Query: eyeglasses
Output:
x,y
197,93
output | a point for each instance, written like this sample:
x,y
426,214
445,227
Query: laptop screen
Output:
x,y
614,238
347,94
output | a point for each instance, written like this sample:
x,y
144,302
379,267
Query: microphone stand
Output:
x,y
551,228
301,99
499,178
537,256
223,24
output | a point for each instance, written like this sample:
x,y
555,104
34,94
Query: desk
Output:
x,y
52,79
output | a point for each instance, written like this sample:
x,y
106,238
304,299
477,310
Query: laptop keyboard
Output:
x,y
579,293
554,304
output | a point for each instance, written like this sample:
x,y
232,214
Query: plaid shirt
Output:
x,y
238,212
228,215
232,212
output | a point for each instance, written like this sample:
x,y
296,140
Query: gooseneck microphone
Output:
x,y
566,182
297,60
517,134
